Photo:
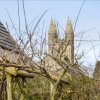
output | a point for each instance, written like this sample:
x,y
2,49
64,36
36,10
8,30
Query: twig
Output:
x,y
79,14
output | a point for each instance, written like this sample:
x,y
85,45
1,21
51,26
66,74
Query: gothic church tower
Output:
x,y
69,37
52,37
54,42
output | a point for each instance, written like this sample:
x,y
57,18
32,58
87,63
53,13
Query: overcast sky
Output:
x,y
60,10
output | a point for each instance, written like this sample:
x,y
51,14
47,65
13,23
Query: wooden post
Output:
x,y
21,97
9,90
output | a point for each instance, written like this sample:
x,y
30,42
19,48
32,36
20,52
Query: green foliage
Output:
x,y
81,88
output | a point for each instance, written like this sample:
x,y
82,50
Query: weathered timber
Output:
x,y
22,73
11,70
9,90
14,65
54,78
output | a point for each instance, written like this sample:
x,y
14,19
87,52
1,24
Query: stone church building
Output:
x,y
62,49
55,43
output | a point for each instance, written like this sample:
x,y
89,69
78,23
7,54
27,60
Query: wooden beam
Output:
x,y
22,73
9,89
14,65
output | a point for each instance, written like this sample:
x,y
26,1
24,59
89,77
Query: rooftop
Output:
x,y
6,40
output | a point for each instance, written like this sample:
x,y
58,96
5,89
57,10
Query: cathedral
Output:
x,y
61,49
56,45
64,48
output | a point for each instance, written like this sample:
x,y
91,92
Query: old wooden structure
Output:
x,y
11,60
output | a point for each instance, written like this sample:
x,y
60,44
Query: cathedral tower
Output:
x,y
69,37
54,43
52,37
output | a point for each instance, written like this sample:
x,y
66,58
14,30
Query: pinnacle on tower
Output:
x,y
52,35
69,37
56,34
52,27
69,28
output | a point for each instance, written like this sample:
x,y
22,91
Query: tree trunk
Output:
x,y
9,90
53,91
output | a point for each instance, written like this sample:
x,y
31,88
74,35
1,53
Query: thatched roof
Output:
x,y
11,57
6,40
9,49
